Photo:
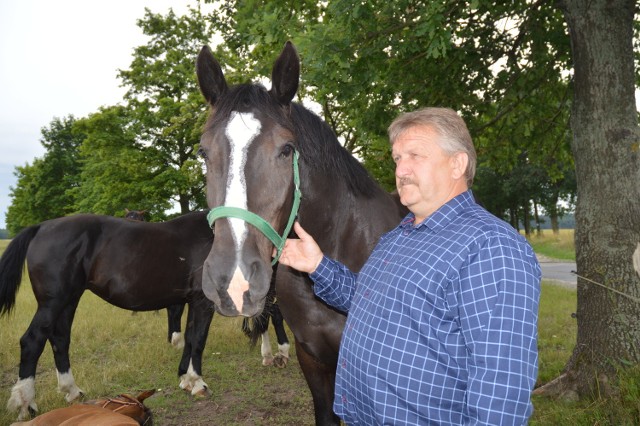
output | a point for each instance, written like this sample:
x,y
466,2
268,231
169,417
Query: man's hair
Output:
x,y
453,132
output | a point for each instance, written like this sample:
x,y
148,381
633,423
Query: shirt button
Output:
x,y
405,232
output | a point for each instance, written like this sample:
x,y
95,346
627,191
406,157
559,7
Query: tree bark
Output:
x,y
607,159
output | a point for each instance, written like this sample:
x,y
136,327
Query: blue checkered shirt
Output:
x,y
442,323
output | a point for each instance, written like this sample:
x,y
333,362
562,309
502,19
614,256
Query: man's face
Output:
x,y
426,176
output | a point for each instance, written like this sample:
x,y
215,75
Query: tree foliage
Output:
x,y
165,104
44,188
115,171
503,65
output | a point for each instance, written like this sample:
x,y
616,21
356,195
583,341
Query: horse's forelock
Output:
x,y
245,98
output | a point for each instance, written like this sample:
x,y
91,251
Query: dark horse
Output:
x,y
139,266
250,144
174,312
253,328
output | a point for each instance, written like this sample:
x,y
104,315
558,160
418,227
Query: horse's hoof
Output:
x,y
75,395
28,412
267,361
33,411
280,361
202,393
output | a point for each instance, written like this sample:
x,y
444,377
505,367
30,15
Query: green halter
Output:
x,y
262,225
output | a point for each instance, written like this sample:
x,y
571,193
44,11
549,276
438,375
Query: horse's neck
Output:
x,y
347,226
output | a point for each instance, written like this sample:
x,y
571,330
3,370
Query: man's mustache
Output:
x,y
405,181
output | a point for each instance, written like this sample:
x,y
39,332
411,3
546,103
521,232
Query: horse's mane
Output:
x,y
317,143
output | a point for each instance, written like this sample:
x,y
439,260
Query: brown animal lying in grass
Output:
x,y
119,411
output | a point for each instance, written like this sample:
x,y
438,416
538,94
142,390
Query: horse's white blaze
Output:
x,y
241,131
22,397
237,287
67,386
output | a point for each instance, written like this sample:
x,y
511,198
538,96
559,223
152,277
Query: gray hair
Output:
x,y
454,135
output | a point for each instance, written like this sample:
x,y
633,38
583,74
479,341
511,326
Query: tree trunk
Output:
x,y
607,160
555,223
526,220
536,218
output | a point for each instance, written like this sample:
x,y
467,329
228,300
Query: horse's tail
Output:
x,y
11,267
255,326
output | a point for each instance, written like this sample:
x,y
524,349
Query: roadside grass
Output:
x,y
559,246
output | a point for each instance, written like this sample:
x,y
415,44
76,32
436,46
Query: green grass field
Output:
x,y
559,246
113,351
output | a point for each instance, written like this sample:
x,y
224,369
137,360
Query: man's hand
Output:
x,y
302,254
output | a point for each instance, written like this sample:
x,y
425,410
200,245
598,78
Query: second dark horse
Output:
x,y
139,266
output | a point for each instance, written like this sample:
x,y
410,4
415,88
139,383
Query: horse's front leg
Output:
x,y
321,379
282,358
190,369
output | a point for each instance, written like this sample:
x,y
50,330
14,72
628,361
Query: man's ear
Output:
x,y
459,162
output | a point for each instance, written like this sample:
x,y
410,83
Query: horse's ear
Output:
x,y
146,394
210,77
285,74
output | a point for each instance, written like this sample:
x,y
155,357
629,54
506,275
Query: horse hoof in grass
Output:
x,y
280,361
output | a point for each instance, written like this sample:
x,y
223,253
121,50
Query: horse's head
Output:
x,y
135,214
128,405
249,147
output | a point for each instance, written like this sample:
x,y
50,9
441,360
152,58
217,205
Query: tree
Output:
x,y
44,188
166,105
605,146
115,171
498,63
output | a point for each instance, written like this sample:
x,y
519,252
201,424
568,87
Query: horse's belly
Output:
x,y
140,294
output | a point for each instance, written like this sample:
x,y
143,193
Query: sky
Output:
x,y
60,58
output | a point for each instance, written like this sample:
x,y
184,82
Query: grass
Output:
x,y
559,246
113,351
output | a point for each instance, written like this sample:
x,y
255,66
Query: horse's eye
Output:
x,y
202,153
286,150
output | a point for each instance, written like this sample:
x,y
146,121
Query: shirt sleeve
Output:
x,y
334,283
498,299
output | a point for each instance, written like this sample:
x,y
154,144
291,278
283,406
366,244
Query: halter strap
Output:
x,y
130,401
258,222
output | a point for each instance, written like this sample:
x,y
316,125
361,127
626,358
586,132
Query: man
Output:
x,y
442,318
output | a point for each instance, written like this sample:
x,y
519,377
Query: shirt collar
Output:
x,y
444,215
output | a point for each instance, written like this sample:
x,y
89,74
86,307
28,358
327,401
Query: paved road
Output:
x,y
559,272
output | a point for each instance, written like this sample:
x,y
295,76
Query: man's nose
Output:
x,y
401,168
